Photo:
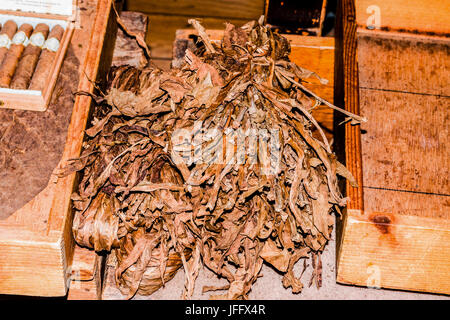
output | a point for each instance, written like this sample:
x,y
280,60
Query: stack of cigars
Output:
x,y
27,53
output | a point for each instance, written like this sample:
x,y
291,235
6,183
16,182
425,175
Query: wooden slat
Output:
x,y
346,94
238,9
161,33
31,268
84,264
399,238
110,290
405,142
317,54
390,61
86,276
406,15
395,251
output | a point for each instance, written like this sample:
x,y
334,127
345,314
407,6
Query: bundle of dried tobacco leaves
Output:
x,y
212,164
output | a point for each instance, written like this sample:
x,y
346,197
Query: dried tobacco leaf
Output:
x,y
211,164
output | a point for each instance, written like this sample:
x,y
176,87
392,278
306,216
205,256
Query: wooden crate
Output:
x,y
396,230
60,15
313,53
87,274
36,244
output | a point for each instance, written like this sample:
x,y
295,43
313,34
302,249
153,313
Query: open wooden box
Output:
x,y
36,243
51,13
392,62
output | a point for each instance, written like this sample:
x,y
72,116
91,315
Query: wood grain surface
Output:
x,y
405,143
383,250
127,50
346,94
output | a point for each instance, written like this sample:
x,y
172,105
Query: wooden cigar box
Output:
x,y
63,13
36,243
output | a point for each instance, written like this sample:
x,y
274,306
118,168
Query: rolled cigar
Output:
x,y
9,63
30,57
6,35
46,58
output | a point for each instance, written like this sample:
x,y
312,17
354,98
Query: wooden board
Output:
x,y
396,230
110,290
36,245
162,29
415,16
238,9
391,62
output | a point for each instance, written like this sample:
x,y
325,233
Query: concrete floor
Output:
x,y
269,286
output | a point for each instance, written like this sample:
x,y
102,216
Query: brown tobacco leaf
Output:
x,y
160,201
279,258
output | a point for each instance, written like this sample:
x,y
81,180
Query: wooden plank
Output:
x,y
35,261
87,265
389,61
238,9
31,268
84,264
313,53
86,278
415,16
317,54
408,203
395,251
127,50
110,290
405,142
